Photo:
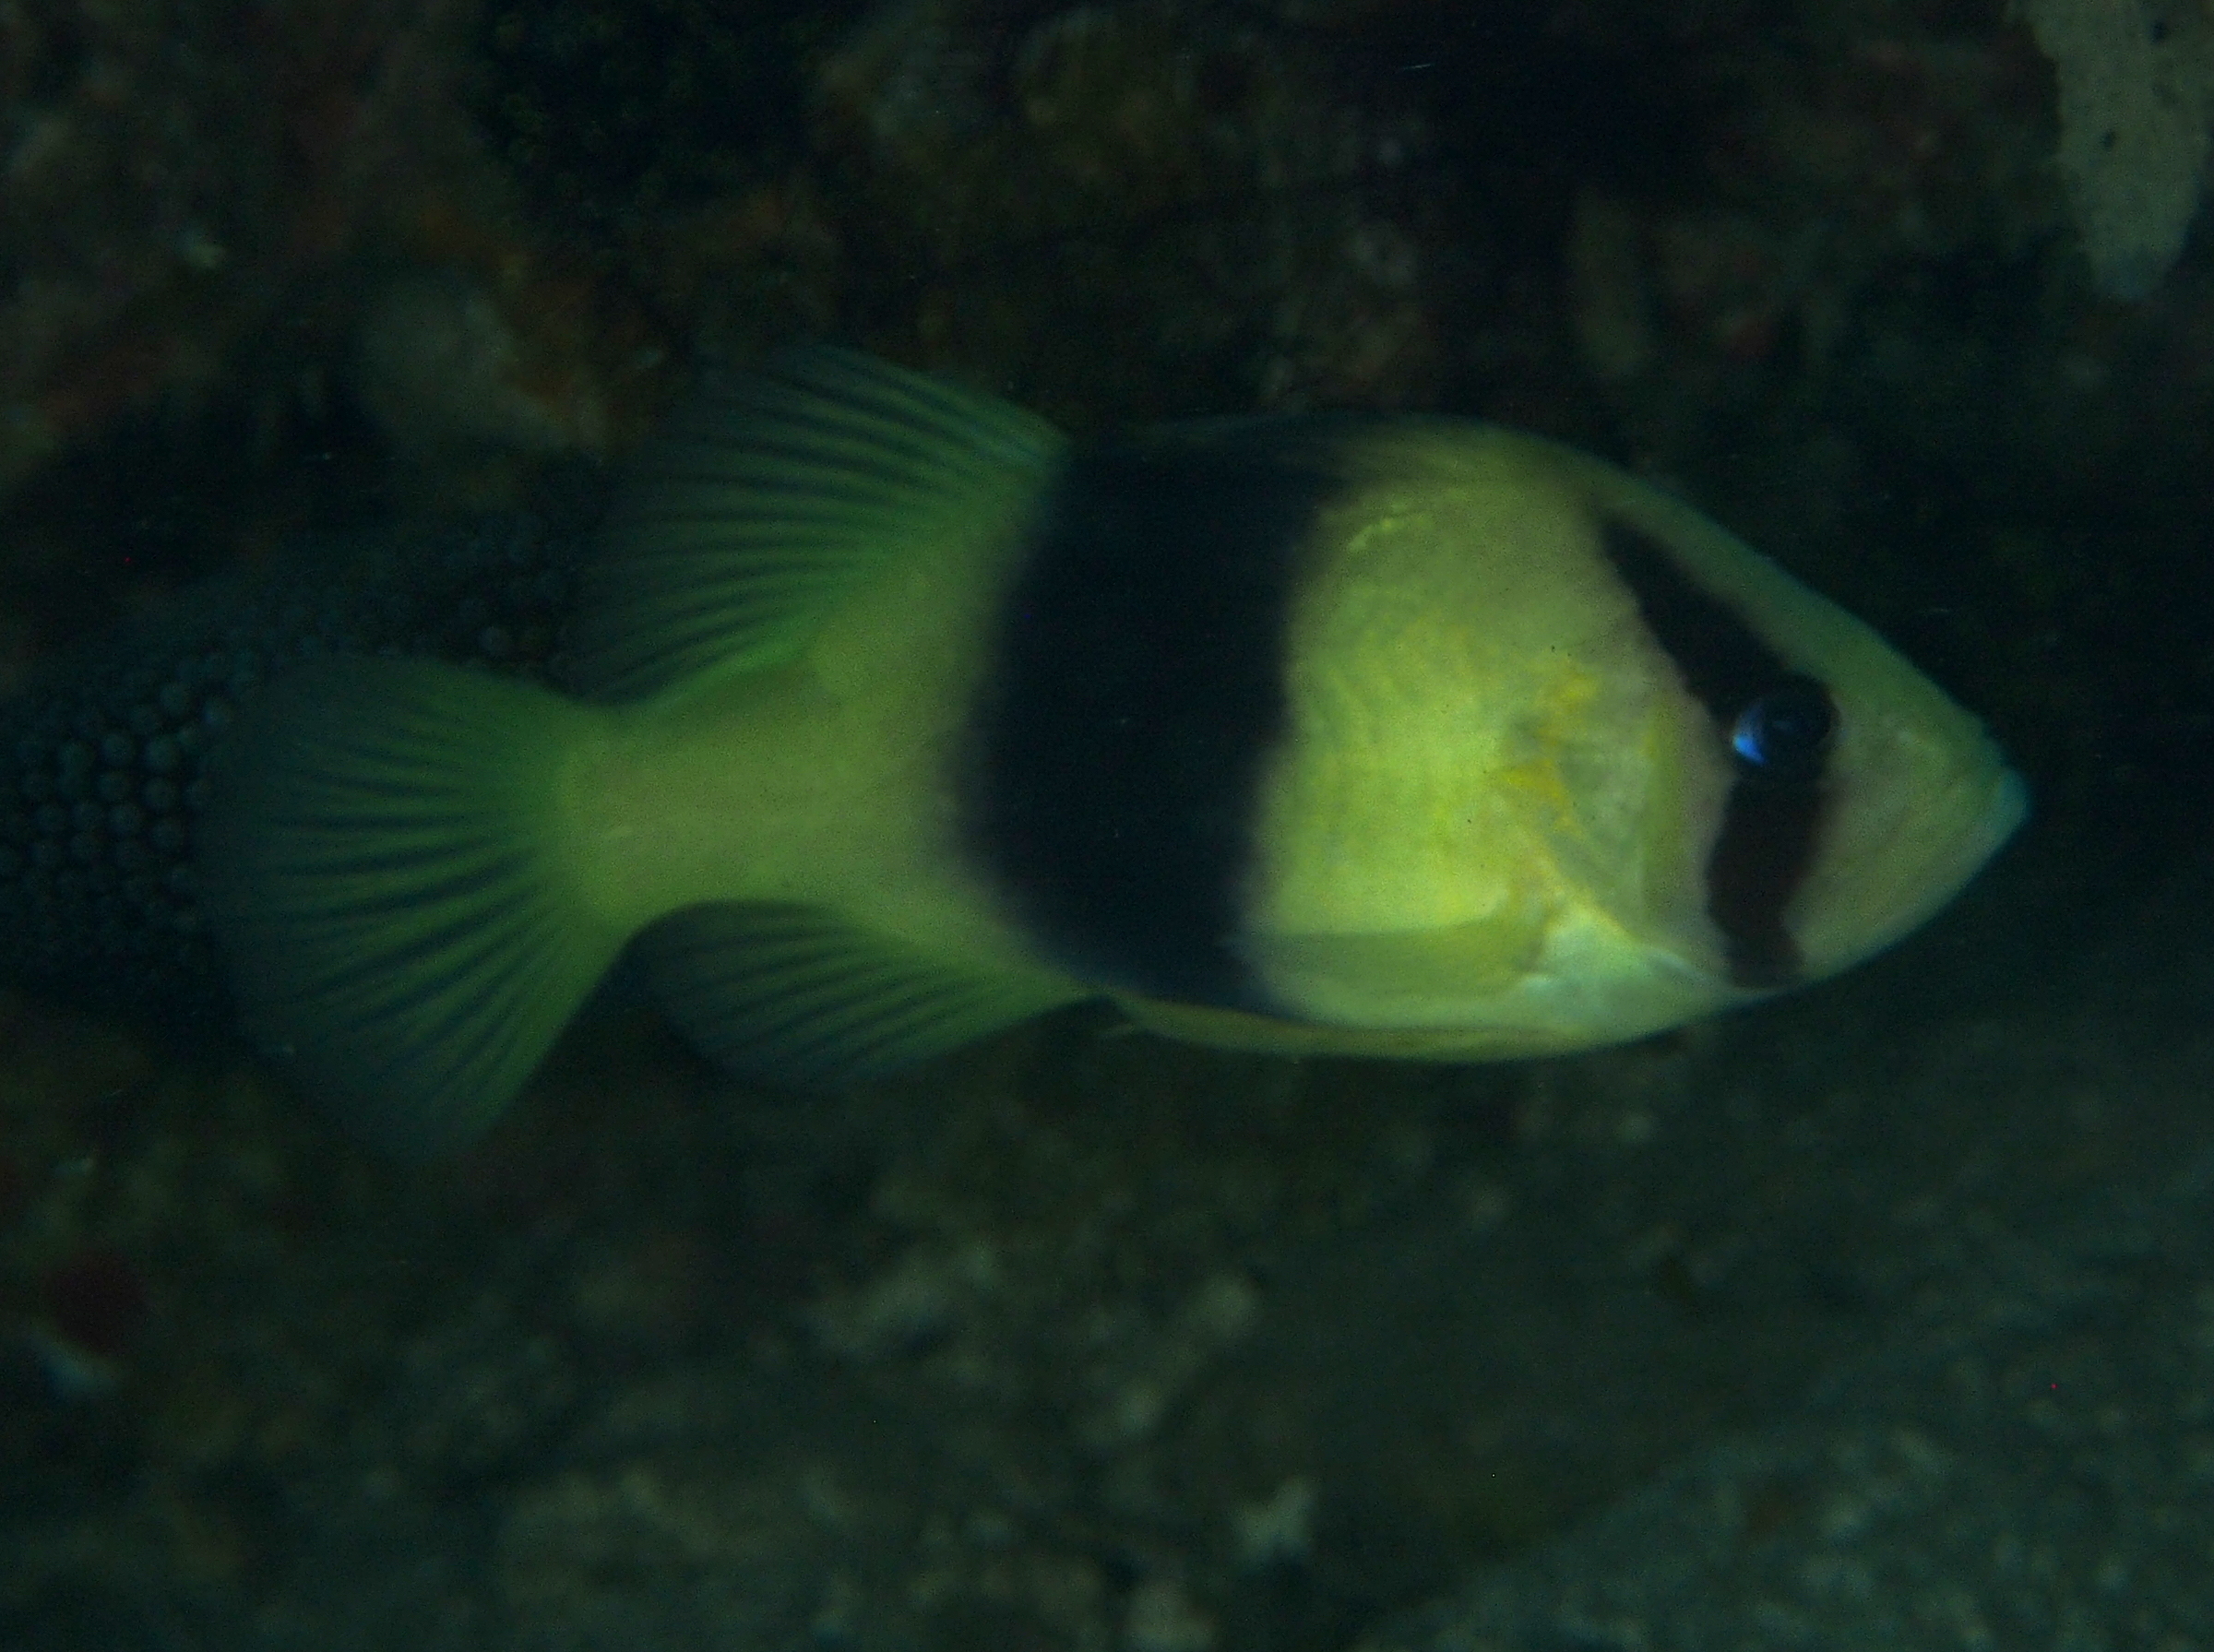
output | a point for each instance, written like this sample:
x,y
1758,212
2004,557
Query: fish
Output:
x,y
103,753
892,717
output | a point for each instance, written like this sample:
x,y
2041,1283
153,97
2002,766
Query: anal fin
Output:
x,y
797,994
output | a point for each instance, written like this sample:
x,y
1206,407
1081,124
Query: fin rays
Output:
x,y
795,993
384,868
774,492
379,880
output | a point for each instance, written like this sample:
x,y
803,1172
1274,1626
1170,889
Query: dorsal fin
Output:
x,y
773,493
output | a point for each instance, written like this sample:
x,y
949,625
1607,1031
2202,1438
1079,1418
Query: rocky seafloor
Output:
x,y
1882,1318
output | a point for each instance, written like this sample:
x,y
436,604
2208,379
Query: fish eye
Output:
x,y
1784,734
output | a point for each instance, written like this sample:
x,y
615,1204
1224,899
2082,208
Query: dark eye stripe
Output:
x,y
1772,821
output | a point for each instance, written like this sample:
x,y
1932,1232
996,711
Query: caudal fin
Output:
x,y
381,880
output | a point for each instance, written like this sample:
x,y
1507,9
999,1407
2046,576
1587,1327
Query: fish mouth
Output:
x,y
1883,878
1989,828
1985,828
2008,808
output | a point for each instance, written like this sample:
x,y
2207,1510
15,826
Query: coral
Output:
x,y
167,172
2136,96
219,221
1145,199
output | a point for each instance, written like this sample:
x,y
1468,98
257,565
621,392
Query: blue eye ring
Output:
x,y
1785,734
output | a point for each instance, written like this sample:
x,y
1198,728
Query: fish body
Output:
x,y
900,718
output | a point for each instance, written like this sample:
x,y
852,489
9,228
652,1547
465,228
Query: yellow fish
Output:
x,y
904,719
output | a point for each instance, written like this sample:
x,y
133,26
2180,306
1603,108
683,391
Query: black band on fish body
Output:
x,y
1777,723
1114,766
1769,838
